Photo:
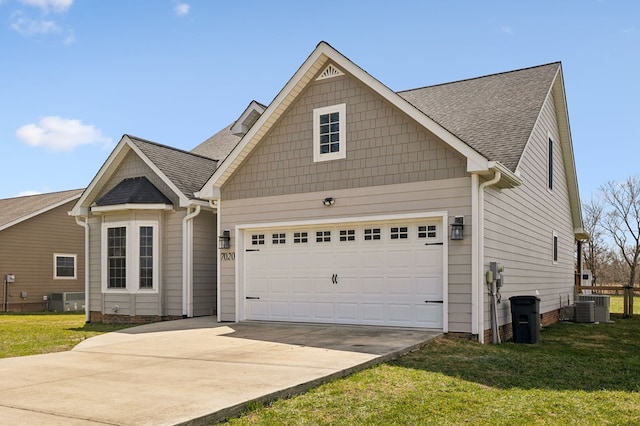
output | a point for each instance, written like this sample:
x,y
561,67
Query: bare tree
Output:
x,y
595,253
622,223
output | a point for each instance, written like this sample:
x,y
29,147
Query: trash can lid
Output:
x,y
523,300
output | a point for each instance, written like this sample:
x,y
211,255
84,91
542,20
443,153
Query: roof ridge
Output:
x,y
132,137
481,76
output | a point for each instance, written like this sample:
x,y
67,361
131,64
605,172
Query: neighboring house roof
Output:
x,y
19,209
219,145
136,190
493,114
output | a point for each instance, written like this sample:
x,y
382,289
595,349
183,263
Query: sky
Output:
x,y
75,75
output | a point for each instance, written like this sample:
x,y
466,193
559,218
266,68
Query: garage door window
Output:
x,y
428,231
372,234
279,238
257,240
399,233
323,236
348,235
300,237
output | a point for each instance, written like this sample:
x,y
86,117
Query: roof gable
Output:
x,y
315,64
136,190
183,172
19,209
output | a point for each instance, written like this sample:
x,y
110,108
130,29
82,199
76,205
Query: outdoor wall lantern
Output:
x,y
329,201
224,240
457,228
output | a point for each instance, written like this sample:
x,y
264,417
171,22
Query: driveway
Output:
x,y
194,371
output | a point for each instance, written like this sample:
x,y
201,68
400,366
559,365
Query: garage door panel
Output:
x,y
379,281
347,311
323,311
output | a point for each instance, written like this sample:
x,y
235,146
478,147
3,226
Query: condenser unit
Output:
x,y
66,302
602,303
585,311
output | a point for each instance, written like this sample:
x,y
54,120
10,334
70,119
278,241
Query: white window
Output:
x,y
130,256
64,266
329,133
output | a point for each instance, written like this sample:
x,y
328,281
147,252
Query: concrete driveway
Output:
x,y
194,371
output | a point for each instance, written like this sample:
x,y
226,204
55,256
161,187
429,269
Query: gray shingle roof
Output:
x,y
14,209
494,114
188,171
219,145
136,190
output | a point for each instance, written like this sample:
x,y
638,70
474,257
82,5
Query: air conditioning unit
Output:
x,y
585,311
66,302
602,303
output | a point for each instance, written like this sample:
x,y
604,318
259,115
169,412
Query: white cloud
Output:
x,y
29,27
182,9
506,29
61,134
56,6
28,192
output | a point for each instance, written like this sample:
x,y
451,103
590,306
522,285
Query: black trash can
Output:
x,y
525,318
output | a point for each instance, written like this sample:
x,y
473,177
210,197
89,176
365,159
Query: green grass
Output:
x,y
38,333
578,374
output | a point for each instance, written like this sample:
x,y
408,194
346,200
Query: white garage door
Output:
x,y
387,273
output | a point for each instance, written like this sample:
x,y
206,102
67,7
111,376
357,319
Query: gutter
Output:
x,y
85,225
187,261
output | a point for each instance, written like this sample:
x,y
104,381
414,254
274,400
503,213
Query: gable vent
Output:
x,y
330,71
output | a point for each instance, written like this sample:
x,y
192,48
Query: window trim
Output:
x,y
55,266
341,109
554,247
132,257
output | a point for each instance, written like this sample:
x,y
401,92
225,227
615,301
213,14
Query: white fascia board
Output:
x,y
130,206
105,171
39,212
302,77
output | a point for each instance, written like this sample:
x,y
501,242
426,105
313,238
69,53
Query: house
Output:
x,y
41,250
345,202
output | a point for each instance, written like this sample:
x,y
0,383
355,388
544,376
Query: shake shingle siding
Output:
x,y
384,147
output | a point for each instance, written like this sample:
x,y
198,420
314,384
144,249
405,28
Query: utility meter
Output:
x,y
10,278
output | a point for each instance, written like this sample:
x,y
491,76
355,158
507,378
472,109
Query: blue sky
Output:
x,y
75,75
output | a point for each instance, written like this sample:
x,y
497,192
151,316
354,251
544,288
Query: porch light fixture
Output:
x,y
224,240
457,228
329,201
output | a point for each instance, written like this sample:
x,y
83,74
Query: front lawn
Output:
x,y
578,374
38,333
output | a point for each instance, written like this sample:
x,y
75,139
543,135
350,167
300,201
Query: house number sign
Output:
x,y
230,256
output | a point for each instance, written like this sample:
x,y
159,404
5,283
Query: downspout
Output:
x,y
187,262
480,265
85,225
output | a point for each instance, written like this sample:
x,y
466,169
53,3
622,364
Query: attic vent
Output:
x,y
330,71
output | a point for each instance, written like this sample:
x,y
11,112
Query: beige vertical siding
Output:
x,y
520,223
171,262
27,249
384,147
451,195
205,238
